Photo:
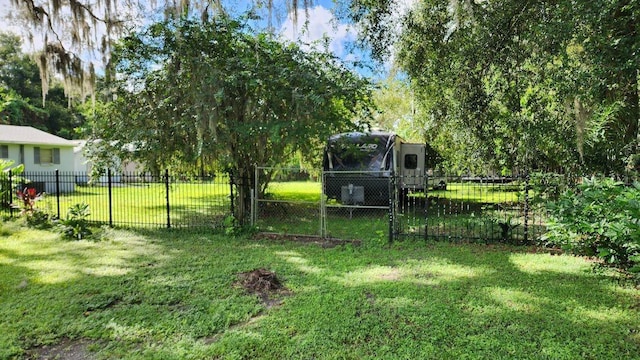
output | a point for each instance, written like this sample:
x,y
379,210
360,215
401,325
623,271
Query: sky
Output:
x,y
316,25
319,23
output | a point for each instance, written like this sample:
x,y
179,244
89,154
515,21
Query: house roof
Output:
x,y
12,134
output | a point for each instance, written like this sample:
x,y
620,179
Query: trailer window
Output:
x,y
411,161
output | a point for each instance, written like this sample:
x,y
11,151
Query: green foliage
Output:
x,y
547,187
76,224
38,219
232,227
21,100
514,84
600,218
397,111
216,89
16,110
34,217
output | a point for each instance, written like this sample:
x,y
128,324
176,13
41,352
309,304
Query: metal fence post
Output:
x,y
526,208
10,188
323,206
425,186
110,197
255,196
232,195
58,192
392,195
166,188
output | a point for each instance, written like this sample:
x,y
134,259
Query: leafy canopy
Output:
x,y
191,90
532,84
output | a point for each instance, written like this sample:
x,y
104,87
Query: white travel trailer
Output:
x,y
358,166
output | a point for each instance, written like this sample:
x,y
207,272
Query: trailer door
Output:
x,y
412,163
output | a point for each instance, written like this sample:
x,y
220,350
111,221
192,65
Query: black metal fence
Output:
x,y
127,199
487,209
387,207
332,205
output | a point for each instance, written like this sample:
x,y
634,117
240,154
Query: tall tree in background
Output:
x,y
531,84
191,88
397,112
20,94
75,37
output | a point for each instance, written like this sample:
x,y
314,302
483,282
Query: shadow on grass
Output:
x,y
157,293
469,300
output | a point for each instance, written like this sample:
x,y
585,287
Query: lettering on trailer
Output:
x,y
368,147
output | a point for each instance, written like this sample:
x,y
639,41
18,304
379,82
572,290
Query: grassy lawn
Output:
x,y
464,210
146,204
161,294
290,208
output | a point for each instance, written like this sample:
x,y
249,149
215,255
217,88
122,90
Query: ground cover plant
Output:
x,y
181,294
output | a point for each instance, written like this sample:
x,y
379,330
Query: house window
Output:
x,y
46,156
4,151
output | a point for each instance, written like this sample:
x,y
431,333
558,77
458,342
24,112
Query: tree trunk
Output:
x,y
244,183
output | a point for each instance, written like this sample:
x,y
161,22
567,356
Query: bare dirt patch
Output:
x,y
323,242
66,350
264,283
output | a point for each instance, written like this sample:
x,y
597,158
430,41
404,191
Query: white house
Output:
x,y
41,154
128,169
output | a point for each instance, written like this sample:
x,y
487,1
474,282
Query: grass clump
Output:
x,y
178,294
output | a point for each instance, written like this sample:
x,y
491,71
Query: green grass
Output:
x,y
161,294
478,193
464,210
471,192
290,207
146,204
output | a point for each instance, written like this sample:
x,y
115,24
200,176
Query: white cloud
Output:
x,y
314,26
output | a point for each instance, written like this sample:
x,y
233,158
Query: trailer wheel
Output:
x,y
441,185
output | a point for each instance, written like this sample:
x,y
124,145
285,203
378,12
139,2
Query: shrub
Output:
x,y
28,198
38,219
76,225
547,187
599,218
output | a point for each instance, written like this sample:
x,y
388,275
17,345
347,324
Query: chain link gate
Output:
x,y
356,205
344,205
290,204
385,207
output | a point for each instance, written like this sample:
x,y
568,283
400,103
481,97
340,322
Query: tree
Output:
x,y
77,36
17,70
190,89
397,112
531,84
15,110
21,95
